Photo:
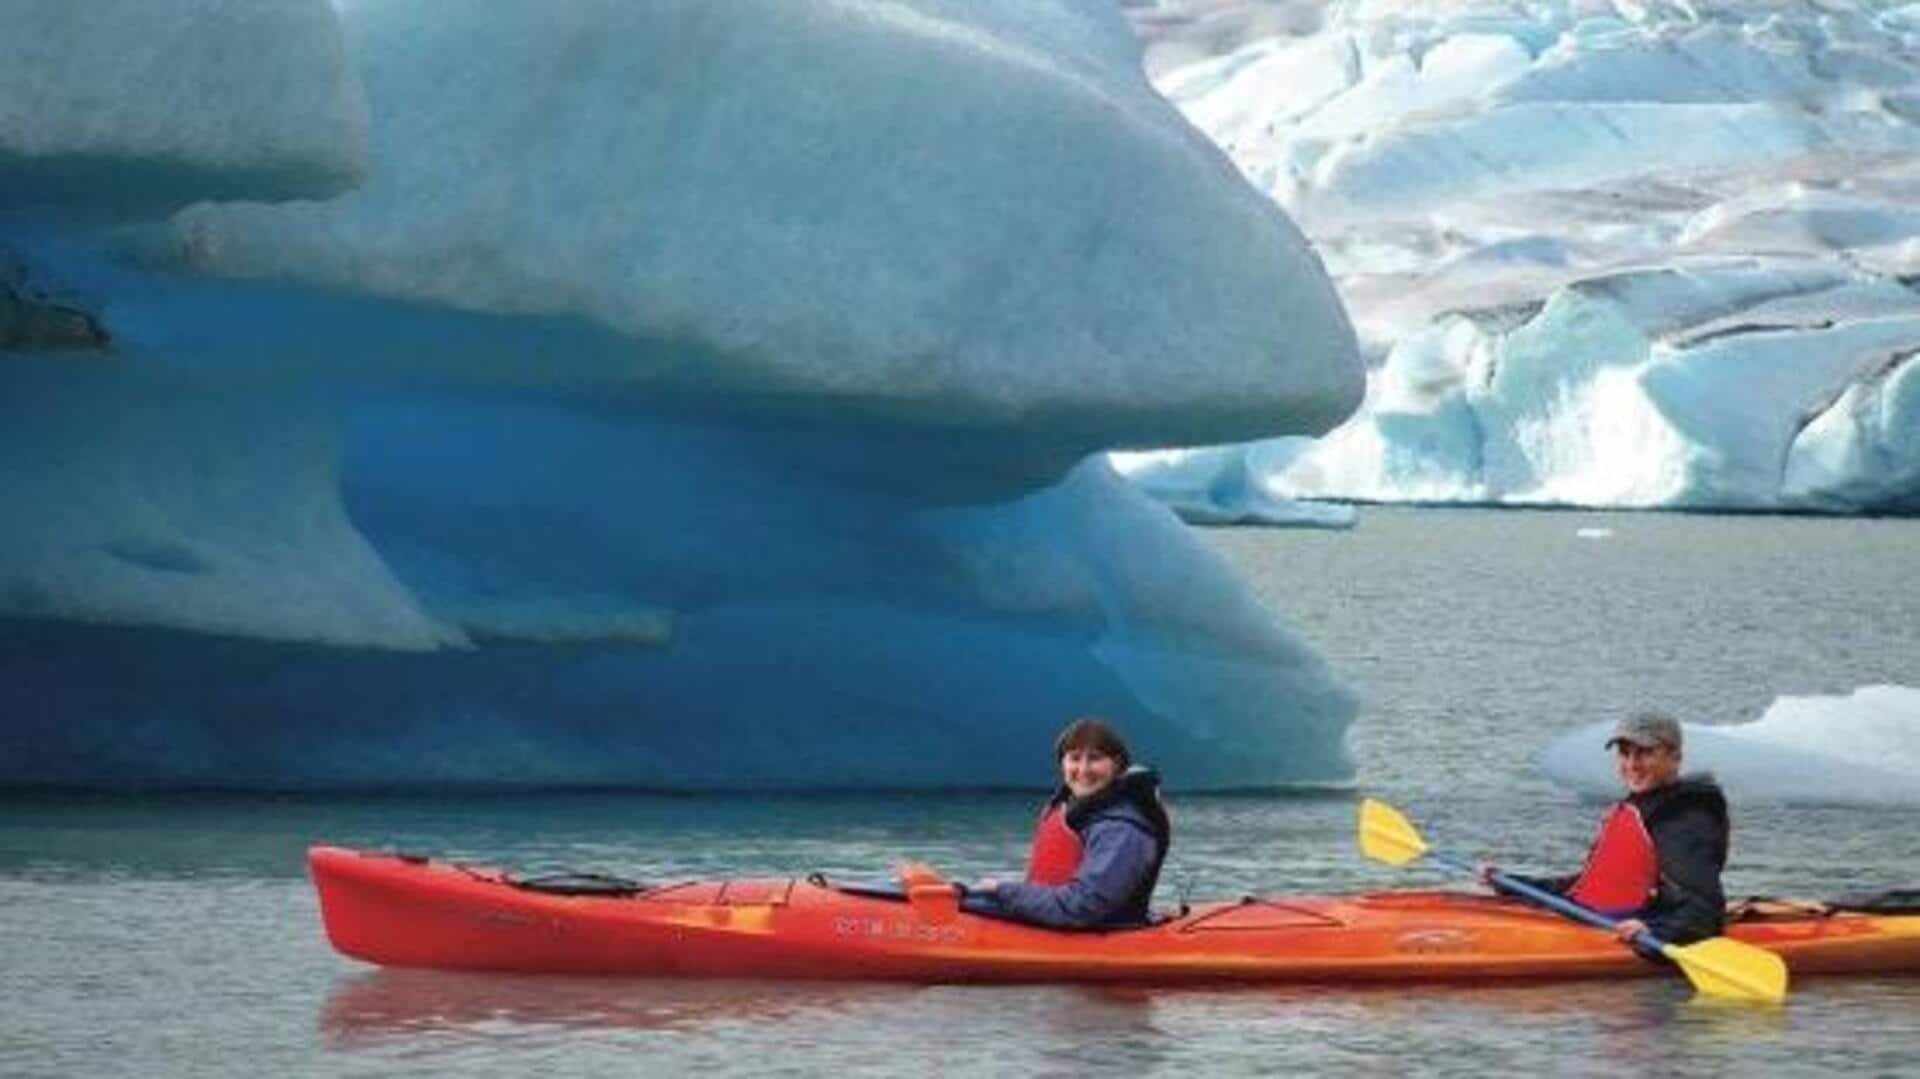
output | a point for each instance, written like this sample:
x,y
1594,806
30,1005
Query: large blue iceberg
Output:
x,y
673,395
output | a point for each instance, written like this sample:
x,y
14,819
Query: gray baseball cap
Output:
x,y
1646,729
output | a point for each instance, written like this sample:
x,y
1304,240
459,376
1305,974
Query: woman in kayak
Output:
x,y
1661,849
1099,845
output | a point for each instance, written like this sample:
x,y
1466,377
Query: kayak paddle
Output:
x,y
1719,967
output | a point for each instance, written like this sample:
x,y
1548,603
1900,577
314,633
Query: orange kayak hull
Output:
x,y
410,912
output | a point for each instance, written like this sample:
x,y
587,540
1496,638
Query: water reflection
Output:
x,y
1639,1027
1047,1029
1714,1020
387,1004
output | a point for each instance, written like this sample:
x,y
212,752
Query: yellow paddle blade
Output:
x,y
1387,836
1722,967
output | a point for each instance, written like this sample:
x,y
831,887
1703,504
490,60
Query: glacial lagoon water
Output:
x,y
169,935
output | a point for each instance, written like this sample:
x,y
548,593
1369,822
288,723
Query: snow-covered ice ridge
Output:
x,y
118,107
1859,749
678,394
1632,254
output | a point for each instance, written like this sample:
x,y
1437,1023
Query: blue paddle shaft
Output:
x,y
1547,899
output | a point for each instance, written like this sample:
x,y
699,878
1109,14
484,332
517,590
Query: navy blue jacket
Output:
x,y
1124,836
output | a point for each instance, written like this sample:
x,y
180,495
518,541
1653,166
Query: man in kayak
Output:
x,y
1098,847
1658,857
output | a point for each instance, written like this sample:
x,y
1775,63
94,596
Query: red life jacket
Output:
x,y
1055,856
1623,868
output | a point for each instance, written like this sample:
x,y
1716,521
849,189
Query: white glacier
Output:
x,y
1860,749
684,396
1598,254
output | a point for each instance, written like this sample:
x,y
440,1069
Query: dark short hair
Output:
x,y
1091,732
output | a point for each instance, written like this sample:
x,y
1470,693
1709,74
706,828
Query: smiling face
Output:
x,y
1645,768
1087,770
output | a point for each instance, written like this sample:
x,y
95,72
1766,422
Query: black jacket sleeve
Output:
x,y
1556,885
1689,904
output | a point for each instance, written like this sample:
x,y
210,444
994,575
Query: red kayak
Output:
x,y
408,911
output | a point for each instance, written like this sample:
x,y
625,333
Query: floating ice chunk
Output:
x,y
1219,485
1861,749
694,396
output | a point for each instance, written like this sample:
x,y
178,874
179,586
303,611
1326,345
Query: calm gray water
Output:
x,y
177,935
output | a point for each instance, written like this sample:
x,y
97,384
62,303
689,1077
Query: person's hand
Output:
x,y
985,886
1626,931
1486,872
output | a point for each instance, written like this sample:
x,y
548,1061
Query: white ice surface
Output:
x,y
150,504
1218,486
975,210
145,105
